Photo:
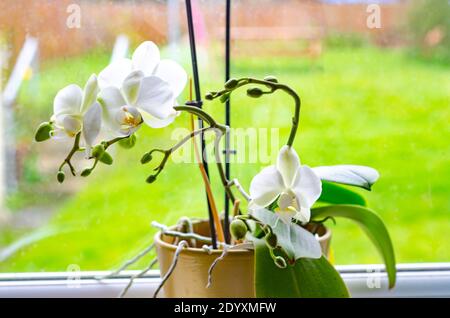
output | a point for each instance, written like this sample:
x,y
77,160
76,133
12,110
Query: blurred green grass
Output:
x,y
360,106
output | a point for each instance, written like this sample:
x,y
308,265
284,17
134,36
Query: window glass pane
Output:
x,y
374,80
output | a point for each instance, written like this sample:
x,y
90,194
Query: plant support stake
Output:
x,y
227,118
198,103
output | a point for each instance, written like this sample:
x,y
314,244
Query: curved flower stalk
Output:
x,y
76,111
141,89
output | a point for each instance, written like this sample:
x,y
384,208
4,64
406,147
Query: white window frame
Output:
x,y
413,280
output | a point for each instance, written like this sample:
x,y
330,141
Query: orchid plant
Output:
x,y
288,201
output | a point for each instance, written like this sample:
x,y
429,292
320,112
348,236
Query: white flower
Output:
x,y
76,110
296,186
141,89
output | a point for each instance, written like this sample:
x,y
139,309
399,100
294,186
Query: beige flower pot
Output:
x,y
232,277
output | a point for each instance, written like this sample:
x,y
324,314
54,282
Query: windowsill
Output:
x,y
413,280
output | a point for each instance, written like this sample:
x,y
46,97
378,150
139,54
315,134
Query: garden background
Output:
x,y
371,96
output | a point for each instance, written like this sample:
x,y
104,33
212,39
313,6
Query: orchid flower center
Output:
x,y
286,200
129,117
72,125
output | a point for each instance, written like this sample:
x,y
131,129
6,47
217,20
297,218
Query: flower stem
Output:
x,y
272,86
75,148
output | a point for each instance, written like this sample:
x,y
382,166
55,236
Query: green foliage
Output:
x,y
31,173
371,224
333,193
428,17
307,278
345,40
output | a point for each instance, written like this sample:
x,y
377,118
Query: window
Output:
x,y
374,92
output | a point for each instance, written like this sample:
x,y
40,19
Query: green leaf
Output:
x,y
308,278
359,176
333,193
371,224
294,239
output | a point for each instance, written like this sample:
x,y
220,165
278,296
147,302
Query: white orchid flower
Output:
x,y
296,186
76,110
141,89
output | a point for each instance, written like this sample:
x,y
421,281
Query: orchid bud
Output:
x,y
98,151
280,262
129,142
151,179
238,229
43,132
86,172
254,92
106,158
224,97
209,96
271,78
231,83
60,176
146,158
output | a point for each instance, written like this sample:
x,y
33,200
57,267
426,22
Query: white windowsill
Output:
x,y
413,280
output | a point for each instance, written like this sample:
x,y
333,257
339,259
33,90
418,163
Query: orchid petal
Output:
x,y
306,244
287,164
92,123
354,175
304,215
58,133
172,73
285,215
89,93
266,186
306,186
67,101
111,100
146,58
115,73
131,86
72,125
155,97
156,122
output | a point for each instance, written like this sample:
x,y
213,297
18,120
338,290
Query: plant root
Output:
x,y
180,247
128,263
138,275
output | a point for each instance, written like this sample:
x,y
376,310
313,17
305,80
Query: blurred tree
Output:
x,y
429,22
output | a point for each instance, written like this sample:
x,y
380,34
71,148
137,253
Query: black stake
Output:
x,y
198,102
227,117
